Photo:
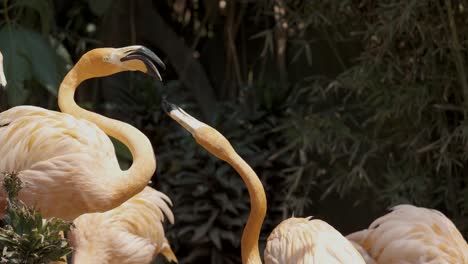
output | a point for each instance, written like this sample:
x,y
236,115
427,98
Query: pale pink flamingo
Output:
x,y
131,233
413,235
66,161
295,240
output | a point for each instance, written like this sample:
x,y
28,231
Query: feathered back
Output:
x,y
138,214
305,241
130,233
411,234
58,158
26,129
367,258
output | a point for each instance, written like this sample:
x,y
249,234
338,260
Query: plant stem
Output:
x,y
458,57
5,7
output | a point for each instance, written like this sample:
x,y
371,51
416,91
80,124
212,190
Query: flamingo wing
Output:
x,y
58,158
130,233
304,241
413,235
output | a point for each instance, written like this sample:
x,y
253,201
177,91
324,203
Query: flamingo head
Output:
x,y
208,137
107,61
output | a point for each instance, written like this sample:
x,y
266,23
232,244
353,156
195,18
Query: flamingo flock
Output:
x,y
69,169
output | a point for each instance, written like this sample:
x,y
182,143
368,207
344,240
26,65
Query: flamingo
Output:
x,y
413,235
364,254
66,163
3,81
131,233
295,240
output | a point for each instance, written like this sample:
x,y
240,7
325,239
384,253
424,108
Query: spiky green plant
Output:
x,y
25,236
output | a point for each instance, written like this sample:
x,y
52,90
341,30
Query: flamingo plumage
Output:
x,y
413,235
305,240
131,233
66,161
364,254
295,240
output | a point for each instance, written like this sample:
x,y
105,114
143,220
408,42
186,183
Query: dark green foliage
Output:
x,y
401,107
34,48
25,236
368,101
27,239
385,121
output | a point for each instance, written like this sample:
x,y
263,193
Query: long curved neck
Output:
x,y
251,234
144,164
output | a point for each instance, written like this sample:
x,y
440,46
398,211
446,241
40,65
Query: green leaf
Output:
x,y
123,153
28,56
99,7
43,8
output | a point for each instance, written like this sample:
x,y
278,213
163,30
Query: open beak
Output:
x,y
178,114
148,57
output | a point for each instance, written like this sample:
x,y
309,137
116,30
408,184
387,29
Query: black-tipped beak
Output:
x,y
180,116
148,58
168,107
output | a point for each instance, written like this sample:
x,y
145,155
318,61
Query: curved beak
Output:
x,y
148,58
190,123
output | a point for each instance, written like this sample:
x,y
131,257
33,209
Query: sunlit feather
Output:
x,y
304,241
129,234
413,235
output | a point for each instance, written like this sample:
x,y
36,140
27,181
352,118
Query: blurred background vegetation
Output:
x,y
343,108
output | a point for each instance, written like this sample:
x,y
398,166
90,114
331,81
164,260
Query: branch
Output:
x,y
281,37
459,61
231,28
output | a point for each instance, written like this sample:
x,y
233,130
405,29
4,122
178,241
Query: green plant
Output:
x,y
36,46
30,58
25,236
394,120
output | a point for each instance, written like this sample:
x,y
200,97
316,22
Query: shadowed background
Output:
x,y
343,108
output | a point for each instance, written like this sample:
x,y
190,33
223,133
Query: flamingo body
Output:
x,y
55,155
413,235
66,161
367,258
131,233
304,241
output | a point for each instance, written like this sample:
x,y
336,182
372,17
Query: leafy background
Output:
x,y
343,108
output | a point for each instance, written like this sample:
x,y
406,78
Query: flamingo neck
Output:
x,y
143,167
251,234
